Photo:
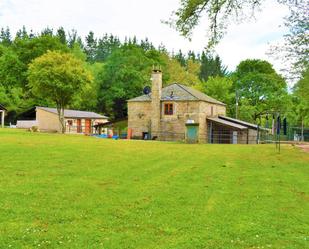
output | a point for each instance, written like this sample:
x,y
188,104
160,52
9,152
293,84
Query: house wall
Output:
x,y
47,121
73,128
139,117
252,136
171,127
208,110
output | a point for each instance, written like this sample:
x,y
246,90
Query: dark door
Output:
x,y
79,126
88,126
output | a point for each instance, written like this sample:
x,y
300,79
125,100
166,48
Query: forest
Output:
x,y
119,70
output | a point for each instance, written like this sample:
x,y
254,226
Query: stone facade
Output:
x,y
148,115
171,127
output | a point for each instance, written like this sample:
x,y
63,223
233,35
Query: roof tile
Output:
x,y
178,92
74,113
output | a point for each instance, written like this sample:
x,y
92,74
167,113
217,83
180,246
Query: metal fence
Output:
x,y
218,137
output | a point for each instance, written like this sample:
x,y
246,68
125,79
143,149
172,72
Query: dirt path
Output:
x,y
304,147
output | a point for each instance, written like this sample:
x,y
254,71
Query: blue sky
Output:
x,y
143,19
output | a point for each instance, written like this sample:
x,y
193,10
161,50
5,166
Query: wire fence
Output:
x,y
218,137
293,134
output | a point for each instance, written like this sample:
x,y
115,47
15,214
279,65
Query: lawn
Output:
x,y
70,191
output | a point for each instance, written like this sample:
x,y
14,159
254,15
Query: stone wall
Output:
x,y
171,127
139,117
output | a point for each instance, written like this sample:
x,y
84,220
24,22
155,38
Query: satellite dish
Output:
x,y
147,90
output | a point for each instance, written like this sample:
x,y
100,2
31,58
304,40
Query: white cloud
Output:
x,y
143,19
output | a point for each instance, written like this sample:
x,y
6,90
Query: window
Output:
x,y
168,109
212,111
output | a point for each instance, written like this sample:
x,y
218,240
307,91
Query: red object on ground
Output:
x,y
129,136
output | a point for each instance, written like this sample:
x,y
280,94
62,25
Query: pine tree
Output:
x,y
5,37
61,35
91,46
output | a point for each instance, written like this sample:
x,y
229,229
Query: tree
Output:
x,y
220,14
5,37
106,45
61,35
28,49
125,73
211,66
258,86
91,46
174,72
59,77
301,93
180,57
11,68
220,88
295,47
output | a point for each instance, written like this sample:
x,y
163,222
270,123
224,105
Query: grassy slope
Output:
x,y
79,192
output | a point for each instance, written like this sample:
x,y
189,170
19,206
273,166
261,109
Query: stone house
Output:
x,y
76,121
178,112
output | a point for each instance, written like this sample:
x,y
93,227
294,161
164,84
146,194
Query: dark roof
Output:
x,y
179,92
74,113
237,121
2,107
228,123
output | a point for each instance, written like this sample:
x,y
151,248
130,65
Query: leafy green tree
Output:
x,y
47,32
106,45
126,71
258,85
22,33
28,49
74,38
301,92
91,46
11,68
88,97
173,71
147,45
180,57
211,66
220,88
59,77
62,35
295,47
5,37
219,14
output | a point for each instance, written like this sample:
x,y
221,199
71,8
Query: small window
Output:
x,y
168,109
212,111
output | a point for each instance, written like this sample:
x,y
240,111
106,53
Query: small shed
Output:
x,y
2,112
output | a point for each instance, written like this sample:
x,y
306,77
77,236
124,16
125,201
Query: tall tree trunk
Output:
x,y
60,110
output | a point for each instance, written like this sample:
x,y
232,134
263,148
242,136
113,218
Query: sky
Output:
x,y
142,18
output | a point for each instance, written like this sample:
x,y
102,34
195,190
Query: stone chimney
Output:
x,y
156,92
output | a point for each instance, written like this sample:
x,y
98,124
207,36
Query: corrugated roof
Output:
x,y
74,113
227,123
179,92
237,121
2,107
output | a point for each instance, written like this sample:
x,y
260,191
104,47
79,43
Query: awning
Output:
x,y
2,108
228,123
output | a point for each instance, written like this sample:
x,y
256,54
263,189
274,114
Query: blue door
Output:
x,y
192,133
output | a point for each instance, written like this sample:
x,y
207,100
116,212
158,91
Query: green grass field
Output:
x,y
70,191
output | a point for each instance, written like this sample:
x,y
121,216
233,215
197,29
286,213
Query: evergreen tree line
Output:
x,y
121,69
